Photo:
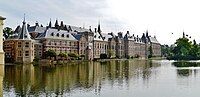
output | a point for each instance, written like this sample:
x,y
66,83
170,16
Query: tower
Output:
x,y
1,41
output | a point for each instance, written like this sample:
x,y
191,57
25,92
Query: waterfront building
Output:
x,y
36,40
19,47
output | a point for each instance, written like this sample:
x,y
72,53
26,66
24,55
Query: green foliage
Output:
x,y
73,54
137,55
110,53
185,50
63,55
50,53
7,31
103,56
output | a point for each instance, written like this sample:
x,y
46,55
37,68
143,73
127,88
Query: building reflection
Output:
x,y
1,79
85,76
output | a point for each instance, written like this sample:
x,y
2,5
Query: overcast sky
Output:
x,y
160,17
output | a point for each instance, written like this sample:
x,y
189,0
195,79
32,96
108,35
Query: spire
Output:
x,y
24,21
99,28
56,24
147,33
50,23
183,34
23,34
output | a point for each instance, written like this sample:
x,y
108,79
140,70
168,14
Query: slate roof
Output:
x,y
129,37
153,40
23,33
78,36
36,29
106,36
55,34
97,36
79,29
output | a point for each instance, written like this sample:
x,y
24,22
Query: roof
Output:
x,y
129,37
55,34
78,36
22,35
2,18
153,40
97,36
79,29
106,36
36,29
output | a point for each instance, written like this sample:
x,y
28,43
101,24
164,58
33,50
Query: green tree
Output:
x,y
50,53
73,54
185,50
7,31
63,56
110,53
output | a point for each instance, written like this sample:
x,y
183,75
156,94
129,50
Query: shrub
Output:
x,y
103,56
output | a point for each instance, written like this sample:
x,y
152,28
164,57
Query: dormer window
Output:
x,y
25,36
99,37
52,34
94,36
67,35
57,34
63,35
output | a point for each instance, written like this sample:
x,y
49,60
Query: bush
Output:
x,y
137,56
103,56
73,54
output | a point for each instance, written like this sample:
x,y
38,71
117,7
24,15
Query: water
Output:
x,y
124,78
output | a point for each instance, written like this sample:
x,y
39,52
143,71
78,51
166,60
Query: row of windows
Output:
x,y
62,43
58,34
26,44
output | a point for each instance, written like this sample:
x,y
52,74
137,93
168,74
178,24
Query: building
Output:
x,y
19,47
1,40
36,40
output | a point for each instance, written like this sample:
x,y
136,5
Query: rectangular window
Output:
x,y
26,53
27,44
19,44
19,53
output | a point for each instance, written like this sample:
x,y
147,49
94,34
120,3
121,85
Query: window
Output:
x,y
52,34
26,53
60,42
57,34
67,35
69,43
54,42
19,53
63,35
27,44
19,44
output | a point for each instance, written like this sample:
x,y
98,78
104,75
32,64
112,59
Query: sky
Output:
x,y
160,17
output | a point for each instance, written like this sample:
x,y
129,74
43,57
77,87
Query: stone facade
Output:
x,y
1,41
19,47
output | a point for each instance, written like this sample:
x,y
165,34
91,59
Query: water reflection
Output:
x,y
23,80
186,68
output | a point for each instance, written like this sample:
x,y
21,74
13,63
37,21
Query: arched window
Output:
x,y
52,34
63,35
57,34
67,35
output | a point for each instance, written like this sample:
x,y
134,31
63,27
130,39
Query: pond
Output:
x,y
117,78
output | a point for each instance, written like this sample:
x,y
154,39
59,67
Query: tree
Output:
x,y
63,56
73,54
110,53
50,53
185,50
7,31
